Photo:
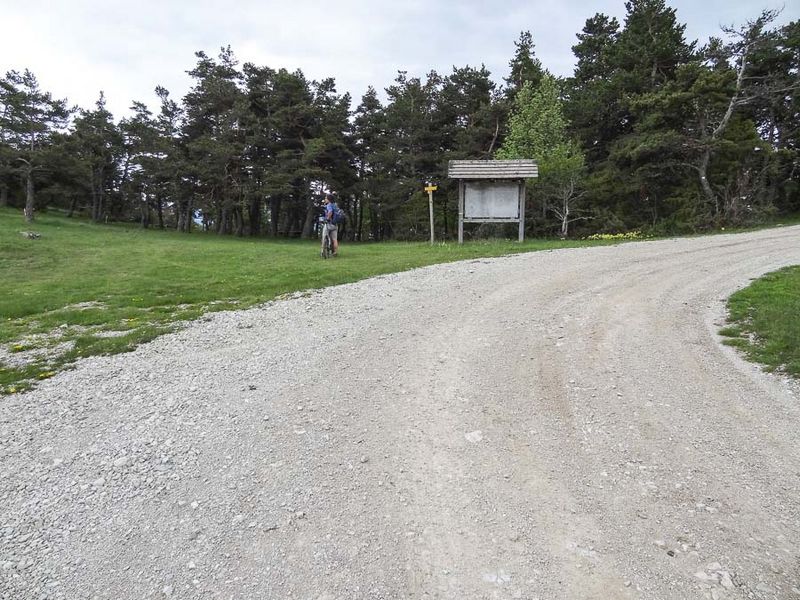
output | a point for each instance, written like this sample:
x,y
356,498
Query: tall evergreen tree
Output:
x,y
594,104
538,130
328,156
606,110
596,43
369,134
414,144
650,47
139,178
30,120
469,115
259,127
99,145
169,159
722,106
293,121
524,65
215,142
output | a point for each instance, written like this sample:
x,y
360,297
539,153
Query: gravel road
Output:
x,y
555,425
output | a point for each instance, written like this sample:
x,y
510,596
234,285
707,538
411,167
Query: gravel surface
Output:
x,y
556,425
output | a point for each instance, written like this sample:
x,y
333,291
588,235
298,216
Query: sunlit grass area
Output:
x,y
764,321
83,289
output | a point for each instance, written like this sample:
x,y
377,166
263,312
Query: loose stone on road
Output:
x,y
554,425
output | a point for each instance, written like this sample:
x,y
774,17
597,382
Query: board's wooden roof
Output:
x,y
492,169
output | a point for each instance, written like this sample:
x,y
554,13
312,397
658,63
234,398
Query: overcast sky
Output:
x,y
79,47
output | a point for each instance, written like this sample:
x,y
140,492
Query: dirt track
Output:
x,y
552,425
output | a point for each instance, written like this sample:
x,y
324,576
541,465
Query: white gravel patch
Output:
x,y
561,424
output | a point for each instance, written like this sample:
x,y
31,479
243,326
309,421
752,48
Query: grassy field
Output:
x,y
764,321
84,289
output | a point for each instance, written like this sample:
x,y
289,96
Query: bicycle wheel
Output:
x,y
326,245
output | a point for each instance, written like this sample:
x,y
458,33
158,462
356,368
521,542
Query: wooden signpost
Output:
x,y
430,189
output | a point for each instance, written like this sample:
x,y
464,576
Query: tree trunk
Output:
x,y
494,137
655,210
97,195
101,194
298,223
72,206
360,218
144,209
160,210
4,196
184,211
288,227
718,132
702,171
239,221
308,222
374,222
772,188
274,215
563,214
255,216
94,197
222,222
179,215
29,196
286,219
189,214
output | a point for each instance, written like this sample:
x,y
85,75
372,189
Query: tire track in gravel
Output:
x,y
552,425
702,410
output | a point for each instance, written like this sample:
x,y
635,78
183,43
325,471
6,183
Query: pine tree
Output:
x,y
215,143
139,178
468,119
369,145
650,47
594,48
615,72
168,168
29,120
293,120
328,154
524,65
538,130
99,145
593,108
414,141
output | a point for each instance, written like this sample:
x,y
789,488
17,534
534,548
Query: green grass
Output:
x,y
80,281
764,321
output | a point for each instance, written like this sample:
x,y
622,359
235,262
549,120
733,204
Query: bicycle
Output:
x,y
327,242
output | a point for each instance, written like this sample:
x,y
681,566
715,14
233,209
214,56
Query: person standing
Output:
x,y
331,227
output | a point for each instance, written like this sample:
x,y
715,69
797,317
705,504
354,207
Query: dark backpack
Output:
x,y
339,216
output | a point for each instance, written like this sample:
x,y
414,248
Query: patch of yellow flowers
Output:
x,y
630,235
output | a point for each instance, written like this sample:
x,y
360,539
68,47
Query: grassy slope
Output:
x,y
145,281
764,321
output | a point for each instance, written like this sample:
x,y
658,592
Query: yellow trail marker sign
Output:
x,y
430,189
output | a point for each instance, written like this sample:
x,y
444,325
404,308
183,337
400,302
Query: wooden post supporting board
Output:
x,y
461,212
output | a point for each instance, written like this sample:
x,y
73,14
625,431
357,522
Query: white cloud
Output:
x,y
79,47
